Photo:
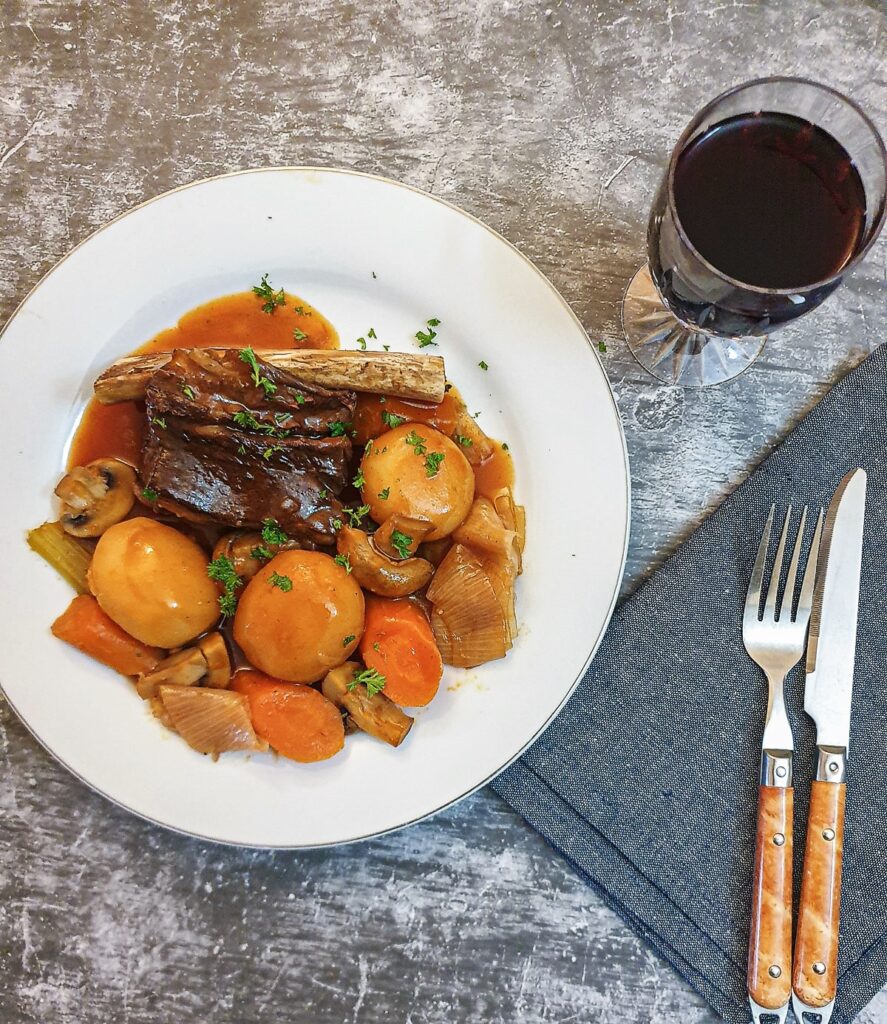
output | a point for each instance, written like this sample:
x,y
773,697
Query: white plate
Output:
x,y
321,234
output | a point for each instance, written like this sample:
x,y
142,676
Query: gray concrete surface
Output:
x,y
551,121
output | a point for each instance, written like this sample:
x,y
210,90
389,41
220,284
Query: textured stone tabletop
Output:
x,y
550,121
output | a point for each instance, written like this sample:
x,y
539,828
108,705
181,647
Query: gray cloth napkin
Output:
x,y
647,780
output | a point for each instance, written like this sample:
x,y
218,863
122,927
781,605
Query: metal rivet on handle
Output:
x,y
828,834
779,839
775,971
833,766
780,771
819,967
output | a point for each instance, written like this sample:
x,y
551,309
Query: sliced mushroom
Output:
x,y
96,496
377,572
218,664
207,662
248,551
184,668
239,547
374,714
411,534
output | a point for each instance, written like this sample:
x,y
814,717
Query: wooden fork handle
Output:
x,y
815,978
770,937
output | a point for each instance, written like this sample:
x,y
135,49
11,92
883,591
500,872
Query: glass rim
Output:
x,y
681,145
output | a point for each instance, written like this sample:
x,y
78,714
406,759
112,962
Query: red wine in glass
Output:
x,y
773,192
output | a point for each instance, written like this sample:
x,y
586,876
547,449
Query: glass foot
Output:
x,y
674,353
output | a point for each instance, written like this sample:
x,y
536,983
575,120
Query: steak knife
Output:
x,y
828,692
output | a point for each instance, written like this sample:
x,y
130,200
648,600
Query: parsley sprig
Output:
x,y
221,570
392,420
426,338
415,442
402,543
272,298
373,681
259,379
357,515
272,534
432,463
283,583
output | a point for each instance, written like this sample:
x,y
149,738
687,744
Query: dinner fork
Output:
x,y
775,640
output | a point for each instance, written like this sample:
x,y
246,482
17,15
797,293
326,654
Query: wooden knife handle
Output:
x,y
815,978
770,937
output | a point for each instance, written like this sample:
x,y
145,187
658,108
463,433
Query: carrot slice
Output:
x,y
296,720
85,626
398,643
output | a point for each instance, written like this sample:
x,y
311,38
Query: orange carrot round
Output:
x,y
297,721
85,626
398,643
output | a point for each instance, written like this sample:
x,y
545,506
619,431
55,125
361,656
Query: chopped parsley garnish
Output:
x,y
323,493
432,463
387,348
149,494
272,298
249,422
359,479
392,420
357,515
221,570
602,346
261,553
302,311
268,452
188,391
376,646
299,397
426,338
374,681
483,364
362,343
415,442
504,447
374,274
466,442
299,334
159,421
384,494
401,543
259,379
281,417
371,333
343,561
283,583
367,447
348,640
241,449
337,524
272,533
338,428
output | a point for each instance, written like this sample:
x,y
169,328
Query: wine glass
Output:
x,y
775,190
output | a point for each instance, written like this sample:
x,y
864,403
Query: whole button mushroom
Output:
x,y
96,496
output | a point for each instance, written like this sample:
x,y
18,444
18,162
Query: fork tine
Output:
x,y
805,601
773,588
788,597
753,597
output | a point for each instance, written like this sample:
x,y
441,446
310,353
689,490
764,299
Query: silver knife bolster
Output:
x,y
831,764
776,768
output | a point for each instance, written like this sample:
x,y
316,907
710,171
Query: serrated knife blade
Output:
x,y
831,645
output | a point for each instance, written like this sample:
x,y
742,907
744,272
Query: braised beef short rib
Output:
x,y
222,447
